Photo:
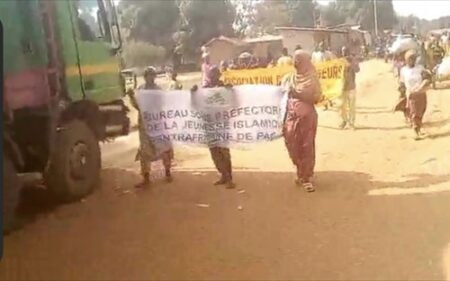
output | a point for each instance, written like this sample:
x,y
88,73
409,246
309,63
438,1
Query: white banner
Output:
x,y
214,116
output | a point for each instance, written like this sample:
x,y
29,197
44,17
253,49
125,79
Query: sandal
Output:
x,y
308,187
230,185
143,184
220,182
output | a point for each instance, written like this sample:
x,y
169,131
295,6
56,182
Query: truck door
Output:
x,y
97,42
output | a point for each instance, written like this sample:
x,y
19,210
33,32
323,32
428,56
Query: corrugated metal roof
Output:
x,y
331,30
226,39
265,38
439,31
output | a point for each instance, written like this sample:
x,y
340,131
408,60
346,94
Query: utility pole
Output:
x,y
375,15
314,13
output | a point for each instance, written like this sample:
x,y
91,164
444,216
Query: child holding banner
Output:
x,y
146,153
285,59
220,155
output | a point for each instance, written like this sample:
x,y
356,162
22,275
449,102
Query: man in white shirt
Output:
x,y
320,55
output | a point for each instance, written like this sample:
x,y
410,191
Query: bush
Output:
x,y
141,54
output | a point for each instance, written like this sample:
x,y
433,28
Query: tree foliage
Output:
x,y
302,13
207,19
184,25
140,54
332,14
268,15
362,12
151,21
245,19
421,26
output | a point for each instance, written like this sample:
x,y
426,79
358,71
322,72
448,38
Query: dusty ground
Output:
x,y
381,210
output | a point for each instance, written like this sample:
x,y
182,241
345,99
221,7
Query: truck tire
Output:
x,y
74,168
11,195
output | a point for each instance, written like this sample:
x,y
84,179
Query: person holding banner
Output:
x,y
146,153
285,59
348,107
300,124
245,61
220,155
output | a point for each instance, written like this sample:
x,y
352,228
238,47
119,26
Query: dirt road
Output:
x,y
381,210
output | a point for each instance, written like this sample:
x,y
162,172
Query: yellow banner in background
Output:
x,y
331,75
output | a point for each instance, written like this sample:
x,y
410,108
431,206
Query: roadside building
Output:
x,y
224,48
308,38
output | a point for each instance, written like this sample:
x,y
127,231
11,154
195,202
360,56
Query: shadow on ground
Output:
x,y
116,182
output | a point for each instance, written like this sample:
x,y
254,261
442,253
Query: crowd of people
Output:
x,y
247,60
304,92
429,54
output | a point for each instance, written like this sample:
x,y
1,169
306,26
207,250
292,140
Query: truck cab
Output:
x,y
63,92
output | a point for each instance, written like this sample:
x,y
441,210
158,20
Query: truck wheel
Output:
x,y
11,195
74,168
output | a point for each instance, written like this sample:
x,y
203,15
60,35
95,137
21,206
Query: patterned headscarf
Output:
x,y
306,79
302,62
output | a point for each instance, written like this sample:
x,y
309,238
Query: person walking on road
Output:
x,y
220,155
300,124
285,59
146,153
174,84
348,107
415,79
205,67
320,54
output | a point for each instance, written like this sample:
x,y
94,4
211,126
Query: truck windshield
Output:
x,y
92,20
86,12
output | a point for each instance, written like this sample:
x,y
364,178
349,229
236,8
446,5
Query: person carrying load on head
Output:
x,y
415,80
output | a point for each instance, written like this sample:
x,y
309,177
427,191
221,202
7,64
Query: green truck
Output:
x,y
63,94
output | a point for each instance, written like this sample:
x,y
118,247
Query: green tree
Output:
x,y
150,21
302,13
332,14
362,12
140,54
270,14
245,19
204,20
